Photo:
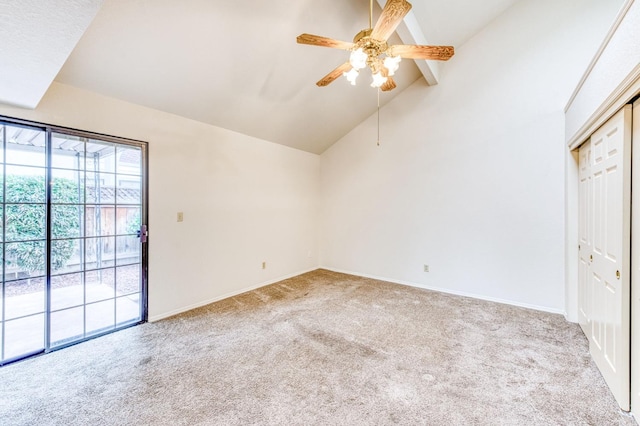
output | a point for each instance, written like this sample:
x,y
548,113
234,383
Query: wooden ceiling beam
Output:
x,y
410,32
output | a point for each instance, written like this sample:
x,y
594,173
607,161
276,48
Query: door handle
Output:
x,y
591,257
618,274
142,233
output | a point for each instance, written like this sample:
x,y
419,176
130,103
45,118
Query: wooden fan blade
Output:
x,y
392,14
333,75
315,40
410,51
388,85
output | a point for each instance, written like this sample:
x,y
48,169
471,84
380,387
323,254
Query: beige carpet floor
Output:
x,y
322,348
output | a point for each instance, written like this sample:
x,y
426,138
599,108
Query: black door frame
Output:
x,y
49,130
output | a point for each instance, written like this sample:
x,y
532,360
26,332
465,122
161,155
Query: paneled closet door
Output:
x,y
635,264
585,231
607,209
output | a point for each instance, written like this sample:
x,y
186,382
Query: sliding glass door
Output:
x,y
73,254
24,240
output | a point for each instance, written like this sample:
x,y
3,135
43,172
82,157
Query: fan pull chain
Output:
x,y
378,117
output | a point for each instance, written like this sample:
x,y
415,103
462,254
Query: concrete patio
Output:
x,y
71,318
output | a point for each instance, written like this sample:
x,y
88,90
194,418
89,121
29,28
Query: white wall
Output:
x,y
470,175
244,200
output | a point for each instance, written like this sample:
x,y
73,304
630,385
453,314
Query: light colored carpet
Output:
x,y
322,348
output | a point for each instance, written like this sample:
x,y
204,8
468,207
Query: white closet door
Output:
x,y
609,269
585,232
635,264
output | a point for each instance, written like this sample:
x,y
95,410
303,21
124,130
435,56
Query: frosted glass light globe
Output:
x,y
352,75
358,59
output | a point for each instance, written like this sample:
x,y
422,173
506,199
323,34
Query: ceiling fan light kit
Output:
x,y
370,49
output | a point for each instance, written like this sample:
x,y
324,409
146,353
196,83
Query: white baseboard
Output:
x,y
448,291
359,274
225,296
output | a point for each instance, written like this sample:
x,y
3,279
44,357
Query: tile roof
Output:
x,y
107,195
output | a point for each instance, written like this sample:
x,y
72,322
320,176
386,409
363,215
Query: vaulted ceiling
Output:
x,y
233,64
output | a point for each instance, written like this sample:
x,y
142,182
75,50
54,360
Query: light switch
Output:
x,y
180,216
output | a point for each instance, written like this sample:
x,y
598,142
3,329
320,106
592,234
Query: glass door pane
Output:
x,y
96,205
128,249
24,241
67,245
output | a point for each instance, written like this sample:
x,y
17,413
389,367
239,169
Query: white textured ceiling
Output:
x,y
36,37
235,64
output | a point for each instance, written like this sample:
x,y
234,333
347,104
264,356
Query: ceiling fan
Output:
x,y
370,44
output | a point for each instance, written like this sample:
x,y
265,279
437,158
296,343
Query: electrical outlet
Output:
x,y
180,216
426,268
264,265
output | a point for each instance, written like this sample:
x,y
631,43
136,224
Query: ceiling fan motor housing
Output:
x,y
372,47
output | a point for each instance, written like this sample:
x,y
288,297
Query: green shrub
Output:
x,y
28,221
